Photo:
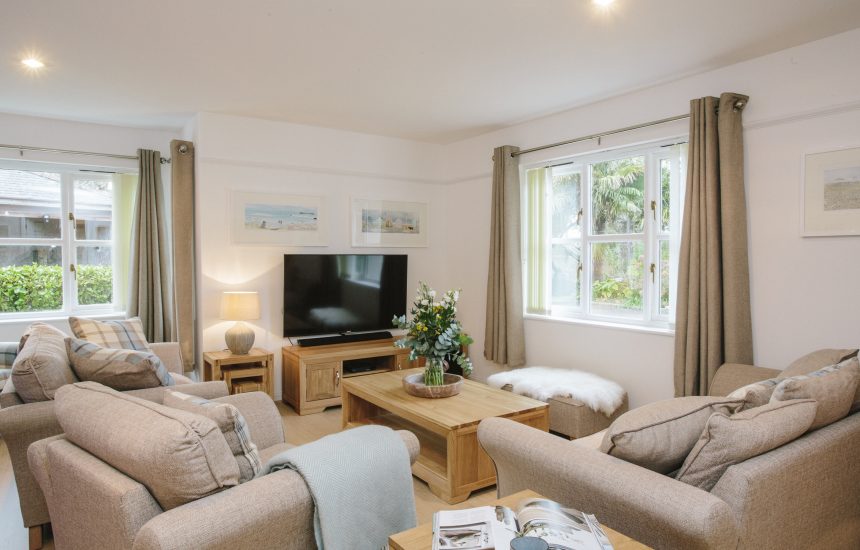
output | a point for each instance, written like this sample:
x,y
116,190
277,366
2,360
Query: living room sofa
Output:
x,y
21,424
94,505
804,494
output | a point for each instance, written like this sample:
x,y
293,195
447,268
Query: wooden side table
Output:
x,y
239,371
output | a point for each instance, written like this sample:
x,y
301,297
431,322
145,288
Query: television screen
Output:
x,y
338,293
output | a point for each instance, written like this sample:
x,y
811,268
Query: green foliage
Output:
x,y
618,195
38,287
434,333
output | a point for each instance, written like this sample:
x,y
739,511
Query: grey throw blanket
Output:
x,y
361,483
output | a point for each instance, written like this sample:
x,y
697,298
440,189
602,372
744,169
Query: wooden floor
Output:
x,y
299,429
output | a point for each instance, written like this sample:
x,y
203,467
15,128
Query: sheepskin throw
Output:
x,y
542,383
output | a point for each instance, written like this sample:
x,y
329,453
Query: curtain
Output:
x,y
537,237
504,340
182,215
713,324
149,287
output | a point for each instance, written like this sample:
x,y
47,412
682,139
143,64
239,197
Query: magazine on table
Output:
x,y
493,527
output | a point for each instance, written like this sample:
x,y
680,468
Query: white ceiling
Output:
x,y
437,70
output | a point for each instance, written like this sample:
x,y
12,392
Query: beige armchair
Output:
x,y
93,505
24,423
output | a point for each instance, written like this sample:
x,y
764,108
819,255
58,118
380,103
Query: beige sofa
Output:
x,y
94,505
805,494
24,423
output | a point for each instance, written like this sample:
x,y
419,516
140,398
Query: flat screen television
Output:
x,y
340,293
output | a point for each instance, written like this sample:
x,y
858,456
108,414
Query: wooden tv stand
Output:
x,y
312,375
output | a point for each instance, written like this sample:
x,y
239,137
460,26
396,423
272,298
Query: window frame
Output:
x,y
68,241
653,152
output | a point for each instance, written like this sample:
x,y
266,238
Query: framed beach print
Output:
x,y
389,223
830,200
273,219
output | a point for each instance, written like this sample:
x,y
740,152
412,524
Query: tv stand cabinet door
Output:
x,y
323,381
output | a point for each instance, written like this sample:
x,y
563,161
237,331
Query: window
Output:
x,y
59,241
601,236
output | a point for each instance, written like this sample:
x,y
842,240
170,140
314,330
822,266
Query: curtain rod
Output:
x,y
23,148
739,104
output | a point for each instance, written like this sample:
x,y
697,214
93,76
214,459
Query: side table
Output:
x,y
241,371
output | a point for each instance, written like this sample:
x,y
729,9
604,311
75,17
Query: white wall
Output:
x,y
804,291
251,155
78,136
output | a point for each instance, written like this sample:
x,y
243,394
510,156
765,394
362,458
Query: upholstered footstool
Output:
x,y
580,403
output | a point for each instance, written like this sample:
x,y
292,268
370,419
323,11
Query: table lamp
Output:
x,y
240,307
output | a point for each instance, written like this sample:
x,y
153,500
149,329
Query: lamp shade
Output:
x,y
240,306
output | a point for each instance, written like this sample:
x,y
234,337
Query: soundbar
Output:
x,y
344,338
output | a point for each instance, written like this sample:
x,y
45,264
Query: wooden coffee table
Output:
x,y
421,537
451,460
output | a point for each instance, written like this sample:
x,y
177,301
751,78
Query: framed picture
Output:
x,y
830,200
286,220
389,223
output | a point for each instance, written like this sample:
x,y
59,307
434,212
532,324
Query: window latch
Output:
x,y
653,270
73,270
654,210
71,217
579,217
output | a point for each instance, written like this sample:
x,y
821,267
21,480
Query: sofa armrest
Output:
x,y
260,414
731,376
170,354
274,511
652,508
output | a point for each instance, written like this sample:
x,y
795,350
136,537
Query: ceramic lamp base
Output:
x,y
240,338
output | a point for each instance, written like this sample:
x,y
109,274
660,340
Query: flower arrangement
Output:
x,y
434,333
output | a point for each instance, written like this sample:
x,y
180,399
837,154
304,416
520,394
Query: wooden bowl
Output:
x,y
414,385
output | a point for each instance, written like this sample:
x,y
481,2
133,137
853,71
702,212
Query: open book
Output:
x,y
492,527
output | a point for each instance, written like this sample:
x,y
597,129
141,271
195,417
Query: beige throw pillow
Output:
x,y
728,440
833,387
123,334
818,359
231,423
658,436
757,393
42,366
177,455
120,369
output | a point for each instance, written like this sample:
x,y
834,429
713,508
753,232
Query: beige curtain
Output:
x,y
149,287
713,308
182,211
504,340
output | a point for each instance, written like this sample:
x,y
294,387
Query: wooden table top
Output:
x,y
421,537
474,403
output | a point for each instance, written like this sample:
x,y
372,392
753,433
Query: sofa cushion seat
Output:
x,y
177,455
42,366
120,369
659,436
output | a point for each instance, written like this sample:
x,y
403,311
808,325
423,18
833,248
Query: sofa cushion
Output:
x,y
817,359
125,334
120,369
177,455
834,387
42,366
659,436
757,393
728,440
231,423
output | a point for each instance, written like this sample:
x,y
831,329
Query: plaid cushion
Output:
x,y
8,353
5,373
125,334
120,369
232,425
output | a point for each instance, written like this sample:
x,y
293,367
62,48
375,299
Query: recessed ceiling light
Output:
x,y
32,63
603,3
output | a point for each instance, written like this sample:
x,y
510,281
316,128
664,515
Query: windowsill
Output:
x,y
61,317
646,329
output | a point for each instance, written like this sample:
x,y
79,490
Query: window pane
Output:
x,y
665,186
93,202
616,287
566,205
94,275
618,196
30,205
665,298
565,275
31,278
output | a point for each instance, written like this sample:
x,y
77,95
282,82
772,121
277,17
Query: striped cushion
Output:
x,y
120,369
8,353
232,425
5,373
125,334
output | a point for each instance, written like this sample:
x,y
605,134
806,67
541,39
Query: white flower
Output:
x,y
424,302
456,295
432,293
